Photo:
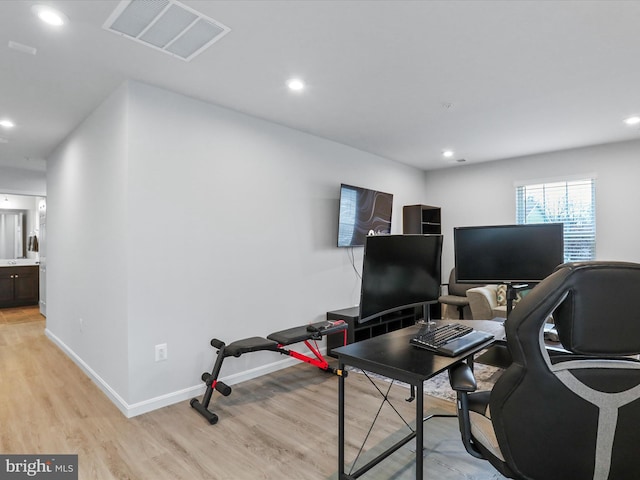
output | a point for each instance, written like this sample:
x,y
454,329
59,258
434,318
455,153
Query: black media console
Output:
x,y
378,326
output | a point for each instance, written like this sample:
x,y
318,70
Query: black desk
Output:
x,y
391,355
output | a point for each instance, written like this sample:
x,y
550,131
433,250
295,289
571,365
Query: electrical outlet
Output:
x,y
161,352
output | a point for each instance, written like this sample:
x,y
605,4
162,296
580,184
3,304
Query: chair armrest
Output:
x,y
462,381
461,378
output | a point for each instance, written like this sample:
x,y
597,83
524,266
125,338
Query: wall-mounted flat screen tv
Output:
x,y
399,271
363,213
507,253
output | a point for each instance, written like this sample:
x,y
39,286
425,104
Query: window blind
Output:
x,y
569,202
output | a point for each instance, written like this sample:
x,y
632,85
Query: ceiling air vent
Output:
x,y
165,25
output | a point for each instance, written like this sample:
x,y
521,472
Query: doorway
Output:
x,y
23,240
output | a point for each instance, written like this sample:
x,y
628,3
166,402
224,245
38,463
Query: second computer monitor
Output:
x,y
399,271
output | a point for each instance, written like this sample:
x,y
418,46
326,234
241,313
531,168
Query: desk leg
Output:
x,y
341,422
419,430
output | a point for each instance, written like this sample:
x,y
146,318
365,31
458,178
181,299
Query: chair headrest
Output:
x,y
601,312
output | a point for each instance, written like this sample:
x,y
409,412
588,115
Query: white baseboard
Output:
x,y
145,406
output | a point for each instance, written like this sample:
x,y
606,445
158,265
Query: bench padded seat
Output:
x,y
300,334
251,344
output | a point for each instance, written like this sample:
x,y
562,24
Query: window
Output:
x,y
569,202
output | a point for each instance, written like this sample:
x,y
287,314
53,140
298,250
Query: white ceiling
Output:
x,y
401,79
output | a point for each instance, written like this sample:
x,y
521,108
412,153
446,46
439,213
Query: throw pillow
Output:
x,y
501,295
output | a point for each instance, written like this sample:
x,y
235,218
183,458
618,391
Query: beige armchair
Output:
x,y
490,301
485,303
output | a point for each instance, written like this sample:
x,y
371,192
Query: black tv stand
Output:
x,y
357,331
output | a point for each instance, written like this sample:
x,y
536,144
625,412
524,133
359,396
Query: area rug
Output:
x,y
439,387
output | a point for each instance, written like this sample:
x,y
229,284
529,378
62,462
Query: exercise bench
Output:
x,y
275,342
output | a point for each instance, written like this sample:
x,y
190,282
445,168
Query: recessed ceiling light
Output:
x,y
635,120
295,84
49,15
447,153
7,123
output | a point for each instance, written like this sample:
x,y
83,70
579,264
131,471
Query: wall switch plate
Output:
x,y
161,352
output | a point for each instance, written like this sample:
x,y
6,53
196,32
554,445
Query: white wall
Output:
x,y
484,194
86,246
218,225
23,181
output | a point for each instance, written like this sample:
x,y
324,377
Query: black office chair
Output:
x,y
456,294
573,416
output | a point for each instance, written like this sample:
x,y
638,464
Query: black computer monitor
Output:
x,y
507,254
399,271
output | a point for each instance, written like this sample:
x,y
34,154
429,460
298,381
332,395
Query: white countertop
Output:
x,y
20,262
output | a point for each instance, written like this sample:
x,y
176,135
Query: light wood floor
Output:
x,y
279,426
